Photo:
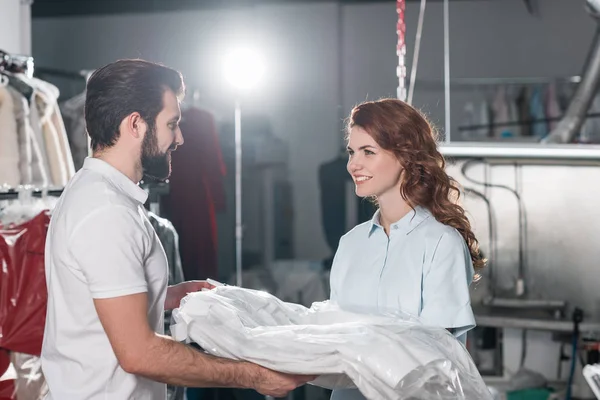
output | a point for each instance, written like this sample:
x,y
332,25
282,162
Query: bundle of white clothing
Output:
x,y
34,148
384,356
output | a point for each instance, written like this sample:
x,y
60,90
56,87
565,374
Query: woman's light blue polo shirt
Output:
x,y
423,268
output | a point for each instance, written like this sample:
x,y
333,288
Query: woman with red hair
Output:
x,y
418,254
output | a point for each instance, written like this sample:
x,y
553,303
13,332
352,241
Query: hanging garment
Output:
x,y
57,121
170,241
590,131
196,193
522,103
7,376
390,356
23,293
49,139
501,114
58,172
538,112
21,114
10,173
32,158
333,179
4,361
485,118
30,383
469,119
74,118
55,137
565,93
513,115
552,106
41,166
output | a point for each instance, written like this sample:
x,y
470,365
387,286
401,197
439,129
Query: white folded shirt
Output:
x,y
384,356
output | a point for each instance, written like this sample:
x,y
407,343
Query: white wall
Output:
x,y
9,26
15,26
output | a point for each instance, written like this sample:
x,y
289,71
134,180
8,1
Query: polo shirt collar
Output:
x,y
405,225
117,178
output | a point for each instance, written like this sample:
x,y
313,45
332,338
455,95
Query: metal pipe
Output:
x,y
569,126
340,82
268,227
415,60
447,69
238,193
510,152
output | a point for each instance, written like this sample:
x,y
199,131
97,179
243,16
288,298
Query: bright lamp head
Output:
x,y
244,69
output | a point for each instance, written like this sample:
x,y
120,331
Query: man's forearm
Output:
x,y
174,363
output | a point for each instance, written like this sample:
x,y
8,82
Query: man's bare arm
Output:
x,y
141,351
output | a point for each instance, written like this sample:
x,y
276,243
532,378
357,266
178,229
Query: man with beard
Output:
x,y
106,271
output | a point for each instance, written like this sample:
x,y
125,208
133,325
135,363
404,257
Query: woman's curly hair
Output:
x,y
401,129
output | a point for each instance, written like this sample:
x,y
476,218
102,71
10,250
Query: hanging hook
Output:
x,y
44,192
24,194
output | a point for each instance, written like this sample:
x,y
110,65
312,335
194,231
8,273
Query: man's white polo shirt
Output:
x,y
100,244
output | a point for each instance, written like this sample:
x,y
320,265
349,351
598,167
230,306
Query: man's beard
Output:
x,y
155,164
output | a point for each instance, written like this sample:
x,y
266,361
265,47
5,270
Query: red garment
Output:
x,y
7,390
196,192
23,293
4,361
7,387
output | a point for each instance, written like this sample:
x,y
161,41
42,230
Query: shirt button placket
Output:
x,y
379,291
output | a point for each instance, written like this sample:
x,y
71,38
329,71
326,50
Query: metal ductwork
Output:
x,y
571,123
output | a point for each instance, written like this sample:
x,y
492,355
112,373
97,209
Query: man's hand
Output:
x,y
140,351
276,384
177,292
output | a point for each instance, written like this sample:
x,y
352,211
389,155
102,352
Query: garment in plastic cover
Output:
x,y
391,356
7,377
23,293
30,383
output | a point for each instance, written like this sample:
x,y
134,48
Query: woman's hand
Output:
x,y
177,292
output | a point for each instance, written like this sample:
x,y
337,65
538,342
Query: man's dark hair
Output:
x,y
122,88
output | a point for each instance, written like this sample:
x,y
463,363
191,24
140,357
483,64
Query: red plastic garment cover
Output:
x,y
7,387
23,293
196,193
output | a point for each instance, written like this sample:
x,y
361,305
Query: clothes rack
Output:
x,y
473,83
13,194
16,63
36,149
531,80
155,190
516,123
69,74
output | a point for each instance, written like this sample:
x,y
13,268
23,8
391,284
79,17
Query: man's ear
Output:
x,y
136,125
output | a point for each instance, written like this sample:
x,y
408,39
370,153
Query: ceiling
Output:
x,y
55,8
